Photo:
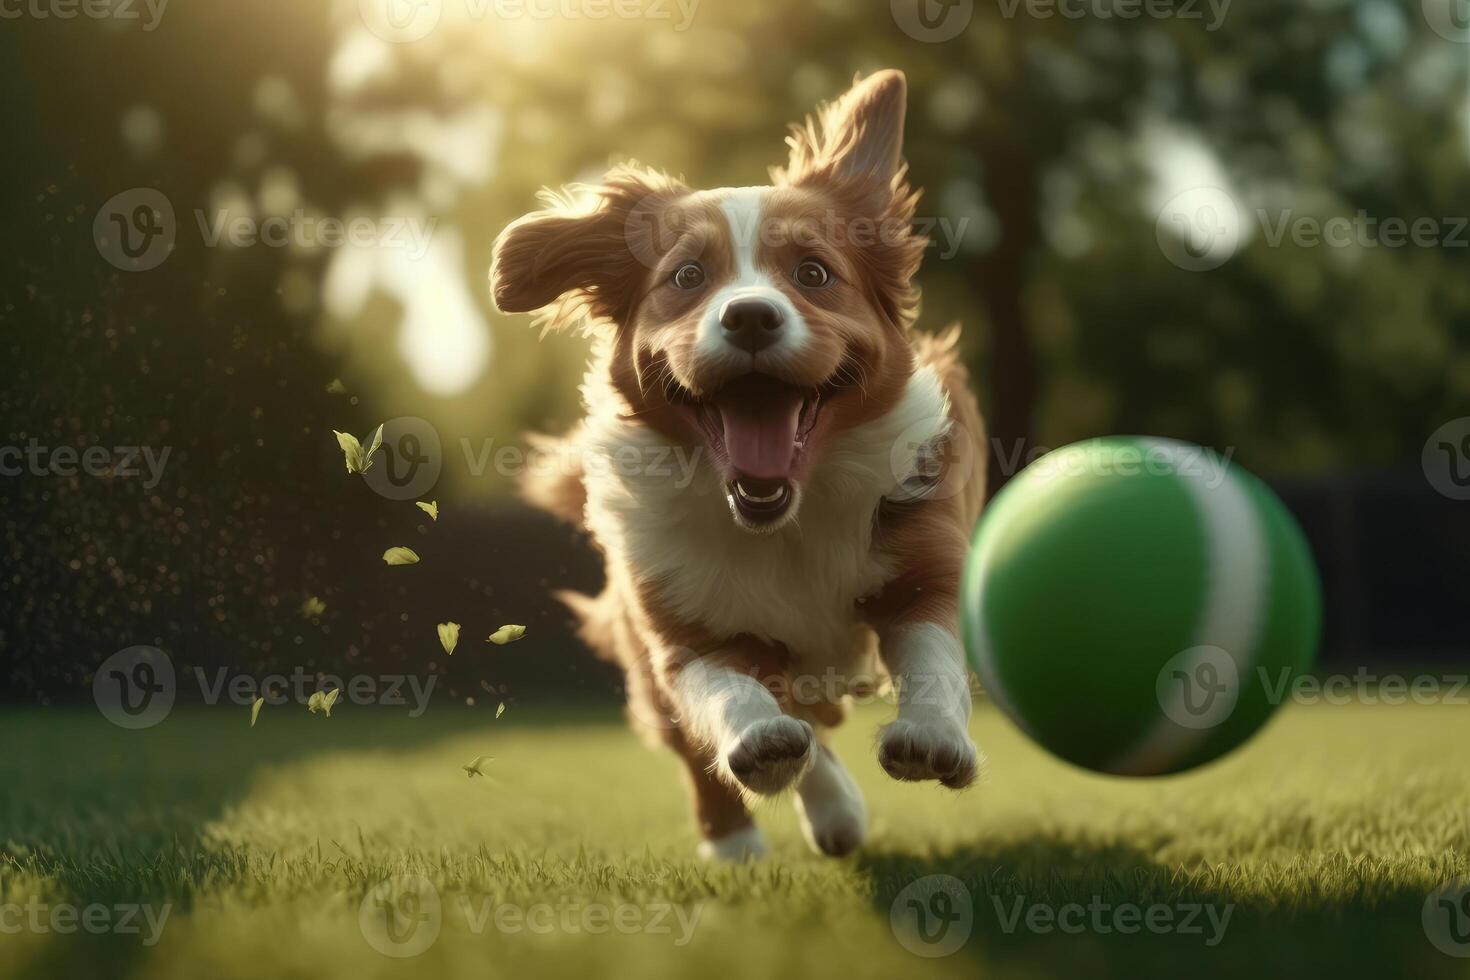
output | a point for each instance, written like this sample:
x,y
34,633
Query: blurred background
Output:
x,y
233,228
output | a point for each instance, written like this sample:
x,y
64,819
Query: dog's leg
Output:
x,y
930,739
725,827
757,747
728,833
834,818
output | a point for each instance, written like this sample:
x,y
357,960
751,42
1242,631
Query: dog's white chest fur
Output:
x,y
796,586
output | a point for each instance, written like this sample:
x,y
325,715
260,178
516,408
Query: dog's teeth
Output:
x,y
747,495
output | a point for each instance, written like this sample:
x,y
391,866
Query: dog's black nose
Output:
x,y
751,324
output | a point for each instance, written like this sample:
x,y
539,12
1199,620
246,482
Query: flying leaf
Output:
x,y
506,634
255,710
321,702
373,447
336,387
358,460
500,710
431,508
313,607
449,637
475,768
351,450
401,556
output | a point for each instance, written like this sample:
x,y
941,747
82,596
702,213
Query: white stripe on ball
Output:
x,y
1234,609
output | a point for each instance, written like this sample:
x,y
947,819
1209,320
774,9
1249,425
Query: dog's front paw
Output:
x,y
771,754
939,750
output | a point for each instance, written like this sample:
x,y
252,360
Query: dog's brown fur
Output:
x,y
598,262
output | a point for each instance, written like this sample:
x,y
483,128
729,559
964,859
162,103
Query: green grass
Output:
x,y
1324,837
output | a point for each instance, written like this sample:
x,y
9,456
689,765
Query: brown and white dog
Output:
x,y
767,331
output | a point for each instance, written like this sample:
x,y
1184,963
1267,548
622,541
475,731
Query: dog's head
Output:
x,y
762,321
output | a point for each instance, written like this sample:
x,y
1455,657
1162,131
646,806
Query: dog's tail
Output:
x,y
556,486
597,621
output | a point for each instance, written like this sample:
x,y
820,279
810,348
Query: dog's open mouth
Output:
x,y
758,428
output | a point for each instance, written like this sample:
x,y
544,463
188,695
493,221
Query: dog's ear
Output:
x,y
853,150
587,254
858,137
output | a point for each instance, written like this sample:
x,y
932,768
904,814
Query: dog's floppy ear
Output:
x,y
860,136
587,253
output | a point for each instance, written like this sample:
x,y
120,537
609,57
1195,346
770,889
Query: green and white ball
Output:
x,y
1138,606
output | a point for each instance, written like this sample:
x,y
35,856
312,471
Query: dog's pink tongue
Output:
x,y
760,417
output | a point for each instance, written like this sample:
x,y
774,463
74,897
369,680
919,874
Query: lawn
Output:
x,y
1320,841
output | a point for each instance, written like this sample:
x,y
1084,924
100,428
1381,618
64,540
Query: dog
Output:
x,y
815,546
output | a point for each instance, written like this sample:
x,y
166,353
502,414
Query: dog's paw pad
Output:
x,y
771,754
941,750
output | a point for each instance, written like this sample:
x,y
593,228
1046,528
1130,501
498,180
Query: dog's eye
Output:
x,y
812,274
690,275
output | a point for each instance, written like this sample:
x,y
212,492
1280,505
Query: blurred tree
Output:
x,y
1051,148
